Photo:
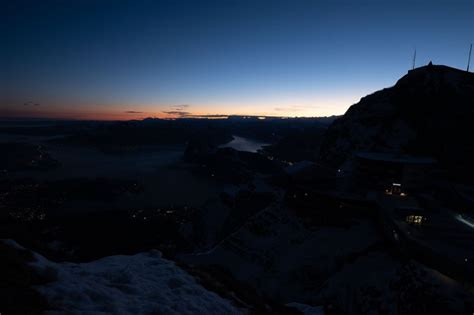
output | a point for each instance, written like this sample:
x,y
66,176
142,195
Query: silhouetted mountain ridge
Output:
x,y
429,111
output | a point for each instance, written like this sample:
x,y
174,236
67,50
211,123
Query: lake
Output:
x,y
244,144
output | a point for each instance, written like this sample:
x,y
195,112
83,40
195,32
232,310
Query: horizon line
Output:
x,y
190,117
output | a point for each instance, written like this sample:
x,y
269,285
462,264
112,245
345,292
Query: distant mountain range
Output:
x,y
429,111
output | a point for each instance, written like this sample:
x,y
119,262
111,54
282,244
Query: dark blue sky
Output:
x,y
100,59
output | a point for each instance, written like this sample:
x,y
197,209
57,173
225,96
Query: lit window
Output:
x,y
396,189
415,219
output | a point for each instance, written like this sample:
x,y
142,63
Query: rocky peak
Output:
x,y
429,111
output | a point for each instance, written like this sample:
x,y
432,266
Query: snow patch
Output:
x,y
137,284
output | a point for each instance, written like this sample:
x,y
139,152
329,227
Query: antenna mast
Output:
x,y
414,59
469,59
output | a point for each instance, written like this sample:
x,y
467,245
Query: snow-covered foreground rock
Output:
x,y
144,283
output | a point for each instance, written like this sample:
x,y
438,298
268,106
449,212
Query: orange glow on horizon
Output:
x,y
123,116
214,110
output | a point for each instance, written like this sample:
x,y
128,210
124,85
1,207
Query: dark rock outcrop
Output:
x,y
429,111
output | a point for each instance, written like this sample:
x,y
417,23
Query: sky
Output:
x,y
135,59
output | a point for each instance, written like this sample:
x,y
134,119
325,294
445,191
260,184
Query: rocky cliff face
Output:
x,y
429,111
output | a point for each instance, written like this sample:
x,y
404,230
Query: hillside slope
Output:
x,y
429,111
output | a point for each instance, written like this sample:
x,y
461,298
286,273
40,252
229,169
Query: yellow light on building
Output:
x,y
415,219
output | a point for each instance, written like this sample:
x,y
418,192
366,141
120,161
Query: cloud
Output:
x,y
132,112
211,115
179,113
179,107
284,109
295,108
31,104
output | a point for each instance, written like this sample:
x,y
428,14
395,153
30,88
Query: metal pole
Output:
x,y
469,59
414,59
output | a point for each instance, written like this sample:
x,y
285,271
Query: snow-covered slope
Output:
x,y
379,284
349,269
284,259
144,283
